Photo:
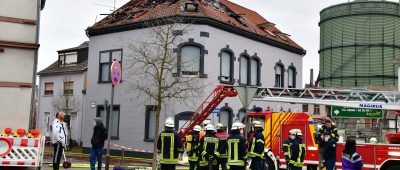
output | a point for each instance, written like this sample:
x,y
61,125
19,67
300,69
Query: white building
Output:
x,y
62,87
231,45
19,43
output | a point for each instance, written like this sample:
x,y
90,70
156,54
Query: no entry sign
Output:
x,y
116,73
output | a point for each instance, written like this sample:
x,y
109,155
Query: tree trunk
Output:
x,y
156,131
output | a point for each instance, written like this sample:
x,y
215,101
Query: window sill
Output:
x,y
148,140
189,76
48,95
227,82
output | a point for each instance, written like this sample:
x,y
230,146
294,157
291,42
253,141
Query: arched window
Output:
x,y
226,64
190,60
292,77
279,75
255,71
244,70
226,116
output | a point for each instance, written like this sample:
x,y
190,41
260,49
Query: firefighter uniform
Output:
x,y
169,146
223,148
236,148
208,149
297,151
333,130
286,149
256,148
192,142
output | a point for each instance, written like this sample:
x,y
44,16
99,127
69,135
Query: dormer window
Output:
x,y
66,59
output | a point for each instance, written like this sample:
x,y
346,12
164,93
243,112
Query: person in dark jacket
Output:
x,y
351,160
223,137
98,138
286,148
237,158
329,151
192,143
327,127
256,149
208,149
169,146
297,150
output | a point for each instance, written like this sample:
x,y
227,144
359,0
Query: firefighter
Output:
x,y
327,126
192,143
256,148
297,150
169,146
203,132
208,149
286,148
329,151
236,148
223,148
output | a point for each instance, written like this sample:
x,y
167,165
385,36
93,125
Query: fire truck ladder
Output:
x,y
384,100
205,109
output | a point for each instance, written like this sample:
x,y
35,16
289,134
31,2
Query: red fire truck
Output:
x,y
278,124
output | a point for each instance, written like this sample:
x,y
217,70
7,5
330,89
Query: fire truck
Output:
x,y
278,124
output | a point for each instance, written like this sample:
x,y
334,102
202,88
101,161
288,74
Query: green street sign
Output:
x,y
343,112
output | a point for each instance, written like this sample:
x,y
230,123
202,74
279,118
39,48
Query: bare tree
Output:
x,y
66,103
152,67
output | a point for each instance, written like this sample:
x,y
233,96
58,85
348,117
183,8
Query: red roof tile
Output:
x,y
227,12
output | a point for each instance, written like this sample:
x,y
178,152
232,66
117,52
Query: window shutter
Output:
x,y
243,70
254,72
225,66
190,59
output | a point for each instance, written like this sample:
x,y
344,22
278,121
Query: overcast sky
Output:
x,y
63,24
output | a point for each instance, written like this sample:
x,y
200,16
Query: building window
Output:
x,y
305,107
48,88
244,70
241,115
226,116
65,59
255,71
101,112
47,123
61,60
292,77
227,67
190,59
317,110
279,70
68,87
106,58
150,122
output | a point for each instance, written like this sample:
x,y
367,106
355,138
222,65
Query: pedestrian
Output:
x,y
209,150
59,138
297,150
327,126
351,160
169,146
256,148
237,159
223,137
329,151
286,148
192,143
98,138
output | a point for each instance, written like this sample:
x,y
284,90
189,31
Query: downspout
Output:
x,y
35,61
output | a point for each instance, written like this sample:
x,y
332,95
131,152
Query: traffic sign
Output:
x,y
246,94
343,112
5,147
216,111
116,73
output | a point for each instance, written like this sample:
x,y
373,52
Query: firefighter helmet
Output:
x,y
373,140
169,122
257,123
237,126
197,128
218,126
292,132
298,132
206,122
210,127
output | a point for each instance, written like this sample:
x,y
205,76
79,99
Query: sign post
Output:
x,y
115,79
343,112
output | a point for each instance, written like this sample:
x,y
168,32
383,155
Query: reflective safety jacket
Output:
x,y
297,153
333,131
223,148
286,148
236,150
169,146
256,147
192,143
208,147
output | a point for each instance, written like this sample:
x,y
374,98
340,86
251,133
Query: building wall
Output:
x,y
46,101
132,108
18,27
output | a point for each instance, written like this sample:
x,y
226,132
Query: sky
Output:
x,y
63,24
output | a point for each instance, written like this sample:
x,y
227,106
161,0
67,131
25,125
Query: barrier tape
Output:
x,y
130,148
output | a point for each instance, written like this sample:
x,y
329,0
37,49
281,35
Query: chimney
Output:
x,y
311,77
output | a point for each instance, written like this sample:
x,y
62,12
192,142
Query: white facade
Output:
x,y
132,119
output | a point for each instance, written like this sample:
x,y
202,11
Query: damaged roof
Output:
x,y
218,13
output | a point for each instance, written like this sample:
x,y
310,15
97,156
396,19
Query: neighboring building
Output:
x,y
62,87
232,45
358,43
19,43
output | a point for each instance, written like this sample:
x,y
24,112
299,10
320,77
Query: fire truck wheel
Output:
x,y
269,164
395,167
